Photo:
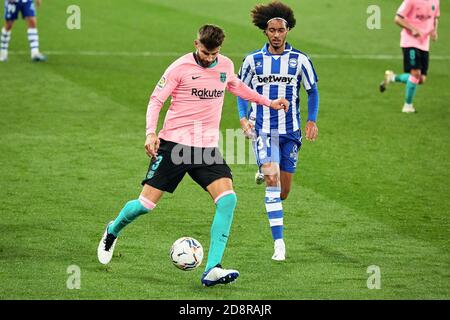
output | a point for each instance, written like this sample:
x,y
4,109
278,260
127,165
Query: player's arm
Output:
x,y
400,20
309,81
311,129
162,91
247,127
434,33
402,12
38,3
240,89
245,75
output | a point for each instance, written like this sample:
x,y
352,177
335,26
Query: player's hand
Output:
x,y
416,33
152,145
280,104
434,35
248,128
38,3
311,131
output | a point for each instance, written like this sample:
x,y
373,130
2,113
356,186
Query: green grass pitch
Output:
x,y
372,190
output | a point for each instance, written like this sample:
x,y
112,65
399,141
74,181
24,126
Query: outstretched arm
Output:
x,y
238,88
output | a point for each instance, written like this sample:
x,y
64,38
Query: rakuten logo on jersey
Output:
x,y
423,17
275,78
207,94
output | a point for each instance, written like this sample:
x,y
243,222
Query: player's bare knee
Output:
x,y
31,22
272,180
150,195
417,74
8,25
271,171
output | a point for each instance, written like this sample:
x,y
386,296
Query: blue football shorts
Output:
x,y
13,7
282,149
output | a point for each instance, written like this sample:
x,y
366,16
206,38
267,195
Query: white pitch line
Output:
x,y
240,55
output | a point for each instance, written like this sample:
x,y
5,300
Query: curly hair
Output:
x,y
211,36
262,13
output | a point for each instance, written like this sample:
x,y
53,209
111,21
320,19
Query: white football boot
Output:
x,y
3,55
38,57
106,246
259,177
408,108
218,275
279,250
389,76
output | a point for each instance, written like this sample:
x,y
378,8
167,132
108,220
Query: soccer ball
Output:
x,y
186,253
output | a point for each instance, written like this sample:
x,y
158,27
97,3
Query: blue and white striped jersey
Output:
x,y
277,76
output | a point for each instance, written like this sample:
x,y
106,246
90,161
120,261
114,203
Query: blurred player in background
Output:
x,y
28,12
197,83
419,22
277,70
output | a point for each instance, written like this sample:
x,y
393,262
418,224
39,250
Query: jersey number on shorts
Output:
x,y
412,56
11,8
262,152
154,167
260,143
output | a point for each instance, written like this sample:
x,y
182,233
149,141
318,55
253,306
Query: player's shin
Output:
x,y
130,212
411,87
4,44
33,39
220,228
274,210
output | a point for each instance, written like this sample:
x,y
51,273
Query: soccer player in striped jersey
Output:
x,y
276,70
419,22
28,11
188,143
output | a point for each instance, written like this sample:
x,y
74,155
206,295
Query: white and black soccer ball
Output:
x,y
186,253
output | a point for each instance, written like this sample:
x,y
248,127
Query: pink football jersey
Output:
x,y
195,110
421,14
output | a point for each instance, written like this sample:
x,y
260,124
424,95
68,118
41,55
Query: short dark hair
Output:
x,y
211,36
262,13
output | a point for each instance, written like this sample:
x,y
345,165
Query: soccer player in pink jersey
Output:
x,y
188,143
419,22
